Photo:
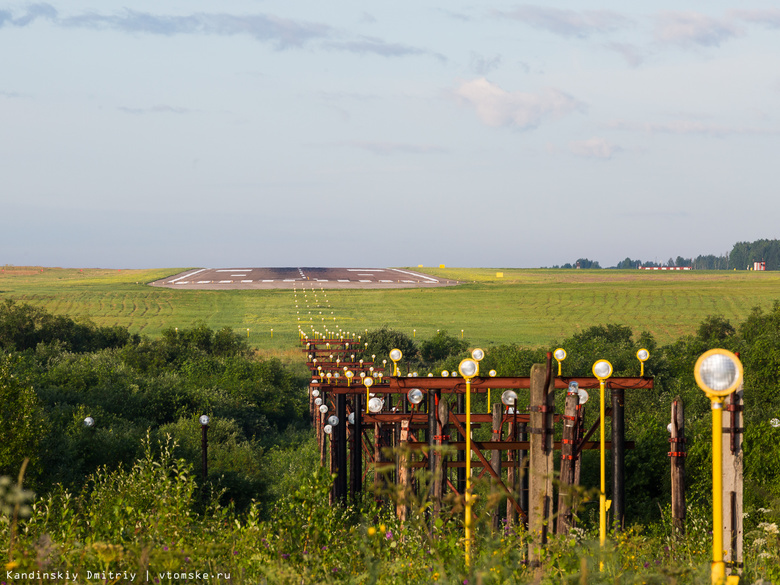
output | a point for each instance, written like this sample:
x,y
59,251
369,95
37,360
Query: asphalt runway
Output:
x,y
288,278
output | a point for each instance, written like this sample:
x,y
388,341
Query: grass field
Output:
x,y
532,307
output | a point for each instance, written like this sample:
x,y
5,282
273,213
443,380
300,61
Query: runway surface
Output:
x,y
287,278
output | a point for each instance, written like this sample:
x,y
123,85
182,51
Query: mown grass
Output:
x,y
532,307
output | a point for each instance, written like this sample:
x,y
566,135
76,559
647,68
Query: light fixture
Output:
x,y
415,396
333,420
509,397
478,354
327,429
351,418
375,404
395,355
642,355
602,369
445,374
468,368
775,422
368,381
89,422
317,401
718,373
559,355
323,408
204,419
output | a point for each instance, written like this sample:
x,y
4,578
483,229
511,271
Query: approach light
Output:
x,y
642,355
323,408
468,368
775,422
317,401
204,419
718,372
375,404
509,397
602,369
333,420
415,396
89,422
327,429
478,354
559,355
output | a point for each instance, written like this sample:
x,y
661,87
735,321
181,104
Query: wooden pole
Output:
x,y
733,460
566,489
540,489
512,473
677,454
356,473
404,485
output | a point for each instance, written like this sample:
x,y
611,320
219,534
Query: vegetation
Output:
x,y
531,307
126,494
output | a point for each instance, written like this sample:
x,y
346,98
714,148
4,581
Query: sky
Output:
x,y
168,133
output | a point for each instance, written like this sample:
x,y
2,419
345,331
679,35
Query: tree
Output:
x,y
441,346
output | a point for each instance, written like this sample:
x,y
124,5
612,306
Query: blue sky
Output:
x,y
171,134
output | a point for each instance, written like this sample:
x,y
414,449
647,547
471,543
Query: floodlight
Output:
x,y
415,396
333,420
375,404
509,397
323,408
89,422
583,394
478,354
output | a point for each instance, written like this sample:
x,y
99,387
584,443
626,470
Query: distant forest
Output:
x,y
741,257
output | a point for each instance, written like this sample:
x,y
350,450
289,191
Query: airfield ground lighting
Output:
x,y
602,369
204,444
642,355
468,368
395,355
492,374
368,381
559,355
718,373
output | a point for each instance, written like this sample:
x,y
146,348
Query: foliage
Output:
x,y
384,339
441,346
744,254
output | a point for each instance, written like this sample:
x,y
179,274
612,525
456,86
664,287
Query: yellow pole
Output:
x,y
603,473
718,566
468,473
488,401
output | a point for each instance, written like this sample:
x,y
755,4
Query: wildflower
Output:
x,y
371,531
165,548
285,556
759,542
765,555
769,528
389,535
382,527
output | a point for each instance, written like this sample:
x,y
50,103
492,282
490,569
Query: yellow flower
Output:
x,y
371,531
11,565
383,528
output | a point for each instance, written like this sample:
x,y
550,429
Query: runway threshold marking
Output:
x,y
183,276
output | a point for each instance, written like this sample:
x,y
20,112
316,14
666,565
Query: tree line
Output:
x,y
741,257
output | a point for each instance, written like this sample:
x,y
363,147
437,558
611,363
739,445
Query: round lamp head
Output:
x,y
478,354
327,429
368,381
333,420
395,354
559,354
445,374
415,395
775,422
317,401
89,422
718,372
204,419
375,404
323,408
602,369
468,368
350,374
509,397
583,394
669,428
642,355
492,373
351,418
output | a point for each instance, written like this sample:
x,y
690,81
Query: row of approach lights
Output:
x,y
468,368
204,419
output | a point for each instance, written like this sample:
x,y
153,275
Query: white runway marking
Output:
x,y
385,281
364,281
204,281
428,278
365,270
246,281
225,281
289,280
183,282
268,281
343,280
234,270
187,275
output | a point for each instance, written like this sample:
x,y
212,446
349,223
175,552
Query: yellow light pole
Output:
x,y
395,355
368,381
559,355
719,373
602,369
492,374
642,355
468,368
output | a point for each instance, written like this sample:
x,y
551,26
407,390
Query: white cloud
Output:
x,y
690,127
568,23
593,148
693,28
497,107
769,18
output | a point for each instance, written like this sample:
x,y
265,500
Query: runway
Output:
x,y
288,278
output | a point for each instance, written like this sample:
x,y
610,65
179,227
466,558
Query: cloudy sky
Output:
x,y
310,133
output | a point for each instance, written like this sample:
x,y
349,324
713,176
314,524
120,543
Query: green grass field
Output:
x,y
532,307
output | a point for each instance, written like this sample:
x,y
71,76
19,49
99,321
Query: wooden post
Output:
x,y
512,472
404,485
733,459
461,471
433,461
677,453
566,489
495,462
540,488
356,473
340,434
